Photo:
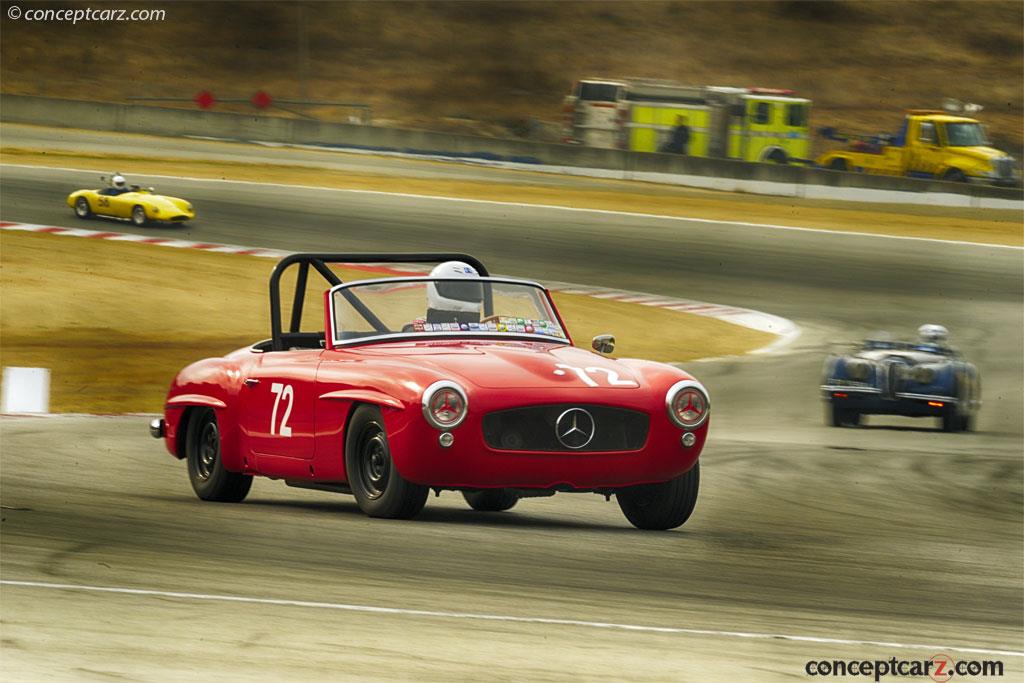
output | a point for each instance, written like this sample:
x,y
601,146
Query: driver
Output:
x,y
933,334
118,184
449,301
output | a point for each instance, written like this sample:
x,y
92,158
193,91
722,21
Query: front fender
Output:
x,y
211,383
73,197
970,166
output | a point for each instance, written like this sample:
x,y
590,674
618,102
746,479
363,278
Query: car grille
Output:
x,y
1004,168
895,369
533,429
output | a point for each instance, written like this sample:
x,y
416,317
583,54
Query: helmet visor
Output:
x,y
466,292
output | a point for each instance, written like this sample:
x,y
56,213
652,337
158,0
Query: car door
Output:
x,y
278,403
103,203
927,154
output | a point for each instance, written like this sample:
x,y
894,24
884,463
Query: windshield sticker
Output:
x,y
497,324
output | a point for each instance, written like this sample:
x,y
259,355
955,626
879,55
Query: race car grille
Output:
x,y
537,428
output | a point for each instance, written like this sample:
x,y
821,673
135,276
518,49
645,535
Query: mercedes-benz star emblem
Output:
x,y
574,428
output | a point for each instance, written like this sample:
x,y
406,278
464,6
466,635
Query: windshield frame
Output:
x,y
334,342
921,347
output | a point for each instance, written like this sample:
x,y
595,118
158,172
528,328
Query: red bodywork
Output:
x,y
248,391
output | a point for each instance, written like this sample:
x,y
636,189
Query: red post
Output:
x,y
204,99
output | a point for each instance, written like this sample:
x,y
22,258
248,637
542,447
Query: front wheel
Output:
x,y
955,175
659,507
206,471
491,500
379,489
82,209
138,216
838,416
955,421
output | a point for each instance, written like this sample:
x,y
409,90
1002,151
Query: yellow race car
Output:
x,y
140,205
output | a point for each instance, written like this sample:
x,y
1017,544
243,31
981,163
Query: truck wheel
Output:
x,y
658,507
379,489
491,500
954,175
777,156
82,209
206,471
838,164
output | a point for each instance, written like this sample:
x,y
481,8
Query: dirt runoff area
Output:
x,y
1004,227
114,321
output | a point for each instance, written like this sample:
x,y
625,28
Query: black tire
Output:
x,y
82,208
209,479
838,416
777,156
954,175
491,500
658,507
838,164
139,216
379,489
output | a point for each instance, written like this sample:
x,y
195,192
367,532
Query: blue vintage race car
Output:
x,y
925,378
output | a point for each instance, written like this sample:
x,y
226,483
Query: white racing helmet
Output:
x,y
933,334
118,181
461,297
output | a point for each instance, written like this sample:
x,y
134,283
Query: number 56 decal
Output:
x,y
584,375
282,392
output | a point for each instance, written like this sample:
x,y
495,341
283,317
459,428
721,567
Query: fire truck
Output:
x,y
640,115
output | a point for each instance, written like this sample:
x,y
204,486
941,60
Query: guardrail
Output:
x,y
724,174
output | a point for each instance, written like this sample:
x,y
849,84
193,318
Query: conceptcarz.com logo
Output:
x,y
939,668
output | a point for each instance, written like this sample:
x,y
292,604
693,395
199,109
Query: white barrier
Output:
x,y
26,390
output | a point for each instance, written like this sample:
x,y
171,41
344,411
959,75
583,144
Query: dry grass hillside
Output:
x,y
492,67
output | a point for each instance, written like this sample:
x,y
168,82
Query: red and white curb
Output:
x,y
785,330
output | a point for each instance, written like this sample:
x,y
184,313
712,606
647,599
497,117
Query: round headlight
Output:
x,y
688,404
923,374
858,370
444,405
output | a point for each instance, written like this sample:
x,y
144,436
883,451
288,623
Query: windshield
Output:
x,y
877,345
598,92
965,135
450,307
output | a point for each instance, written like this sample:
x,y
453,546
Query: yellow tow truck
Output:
x,y
930,144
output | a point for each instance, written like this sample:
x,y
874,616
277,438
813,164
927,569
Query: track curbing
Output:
x,y
785,330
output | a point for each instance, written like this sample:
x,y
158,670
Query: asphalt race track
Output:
x,y
892,540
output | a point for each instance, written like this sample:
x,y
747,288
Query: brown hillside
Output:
x,y
491,67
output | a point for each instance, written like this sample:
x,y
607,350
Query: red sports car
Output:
x,y
455,380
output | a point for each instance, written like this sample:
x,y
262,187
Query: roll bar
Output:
x,y
320,262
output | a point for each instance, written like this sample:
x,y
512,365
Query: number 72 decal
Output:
x,y
282,392
584,375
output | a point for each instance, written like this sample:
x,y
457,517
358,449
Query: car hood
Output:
x,y
981,153
512,364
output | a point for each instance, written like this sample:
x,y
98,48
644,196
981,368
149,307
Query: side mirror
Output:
x,y
603,343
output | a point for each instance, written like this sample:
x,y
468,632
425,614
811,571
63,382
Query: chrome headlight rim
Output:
x,y
428,395
670,396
